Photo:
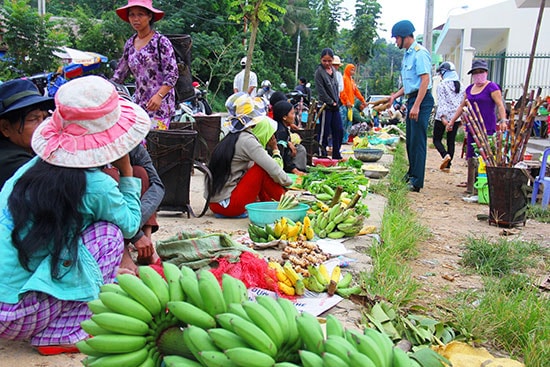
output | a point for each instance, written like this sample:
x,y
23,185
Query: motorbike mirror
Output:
x,y
113,64
283,85
308,85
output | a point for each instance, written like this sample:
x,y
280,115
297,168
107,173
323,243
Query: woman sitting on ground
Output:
x,y
242,170
63,221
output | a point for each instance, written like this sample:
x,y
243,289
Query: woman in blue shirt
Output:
x,y
63,221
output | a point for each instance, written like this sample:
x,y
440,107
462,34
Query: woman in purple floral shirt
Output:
x,y
150,57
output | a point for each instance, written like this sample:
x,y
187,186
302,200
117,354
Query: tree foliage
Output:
x,y
219,36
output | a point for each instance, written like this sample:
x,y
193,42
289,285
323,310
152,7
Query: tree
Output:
x,y
363,34
29,37
329,14
255,12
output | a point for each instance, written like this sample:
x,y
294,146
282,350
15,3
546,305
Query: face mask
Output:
x,y
479,79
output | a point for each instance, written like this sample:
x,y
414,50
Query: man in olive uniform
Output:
x,y
416,73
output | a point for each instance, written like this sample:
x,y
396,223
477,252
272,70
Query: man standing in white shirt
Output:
x,y
238,82
337,63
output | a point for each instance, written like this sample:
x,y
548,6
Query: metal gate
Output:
x,y
509,71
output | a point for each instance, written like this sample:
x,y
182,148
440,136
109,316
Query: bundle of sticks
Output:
x,y
314,113
505,148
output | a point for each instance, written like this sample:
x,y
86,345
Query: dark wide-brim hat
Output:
x,y
20,93
122,12
479,64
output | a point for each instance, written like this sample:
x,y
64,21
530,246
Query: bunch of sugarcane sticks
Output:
x,y
508,147
314,113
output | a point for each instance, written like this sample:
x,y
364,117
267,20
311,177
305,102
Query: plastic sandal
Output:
x,y
51,350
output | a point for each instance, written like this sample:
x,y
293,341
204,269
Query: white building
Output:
x,y
503,35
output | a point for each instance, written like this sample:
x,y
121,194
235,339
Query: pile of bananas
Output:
x,y
289,281
189,319
319,281
302,254
339,221
283,229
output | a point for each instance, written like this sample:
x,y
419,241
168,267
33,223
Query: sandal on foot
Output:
x,y
445,162
462,184
51,350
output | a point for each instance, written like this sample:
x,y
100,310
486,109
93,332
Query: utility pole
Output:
x,y
41,7
428,25
297,56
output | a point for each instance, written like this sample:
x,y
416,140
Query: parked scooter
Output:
x,y
300,102
196,104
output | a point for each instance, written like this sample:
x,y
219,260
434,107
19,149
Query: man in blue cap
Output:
x,y
416,74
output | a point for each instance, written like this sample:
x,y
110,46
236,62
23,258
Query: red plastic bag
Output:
x,y
251,270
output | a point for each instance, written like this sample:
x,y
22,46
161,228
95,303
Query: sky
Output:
x,y
414,10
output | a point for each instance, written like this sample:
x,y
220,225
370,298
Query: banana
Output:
x,y
271,305
333,326
315,272
132,359
140,292
286,289
334,279
291,273
126,306
190,286
225,339
313,284
120,323
173,275
211,293
300,287
149,362
311,332
198,340
191,314
324,273
156,283
400,358
224,319
335,234
371,349
237,309
254,336
113,287
247,357
97,306
347,292
233,292
382,340
359,359
310,359
85,348
177,361
332,360
345,282
262,318
340,347
212,358
92,328
285,364
290,313
116,343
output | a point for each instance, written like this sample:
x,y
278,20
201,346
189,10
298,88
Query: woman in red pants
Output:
x,y
243,172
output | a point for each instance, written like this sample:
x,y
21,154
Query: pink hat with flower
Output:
x,y
122,12
91,125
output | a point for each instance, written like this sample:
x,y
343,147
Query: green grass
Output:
x,y
502,257
399,234
537,213
510,313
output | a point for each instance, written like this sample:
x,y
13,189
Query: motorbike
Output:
x,y
194,105
300,102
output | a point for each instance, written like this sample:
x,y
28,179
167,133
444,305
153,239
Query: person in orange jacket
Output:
x,y
347,97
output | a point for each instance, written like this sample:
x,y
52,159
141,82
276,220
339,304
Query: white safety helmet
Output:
x,y
266,84
243,61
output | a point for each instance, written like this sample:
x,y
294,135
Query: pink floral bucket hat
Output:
x,y
91,125
122,12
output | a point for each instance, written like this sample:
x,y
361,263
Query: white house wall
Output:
x,y
499,28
